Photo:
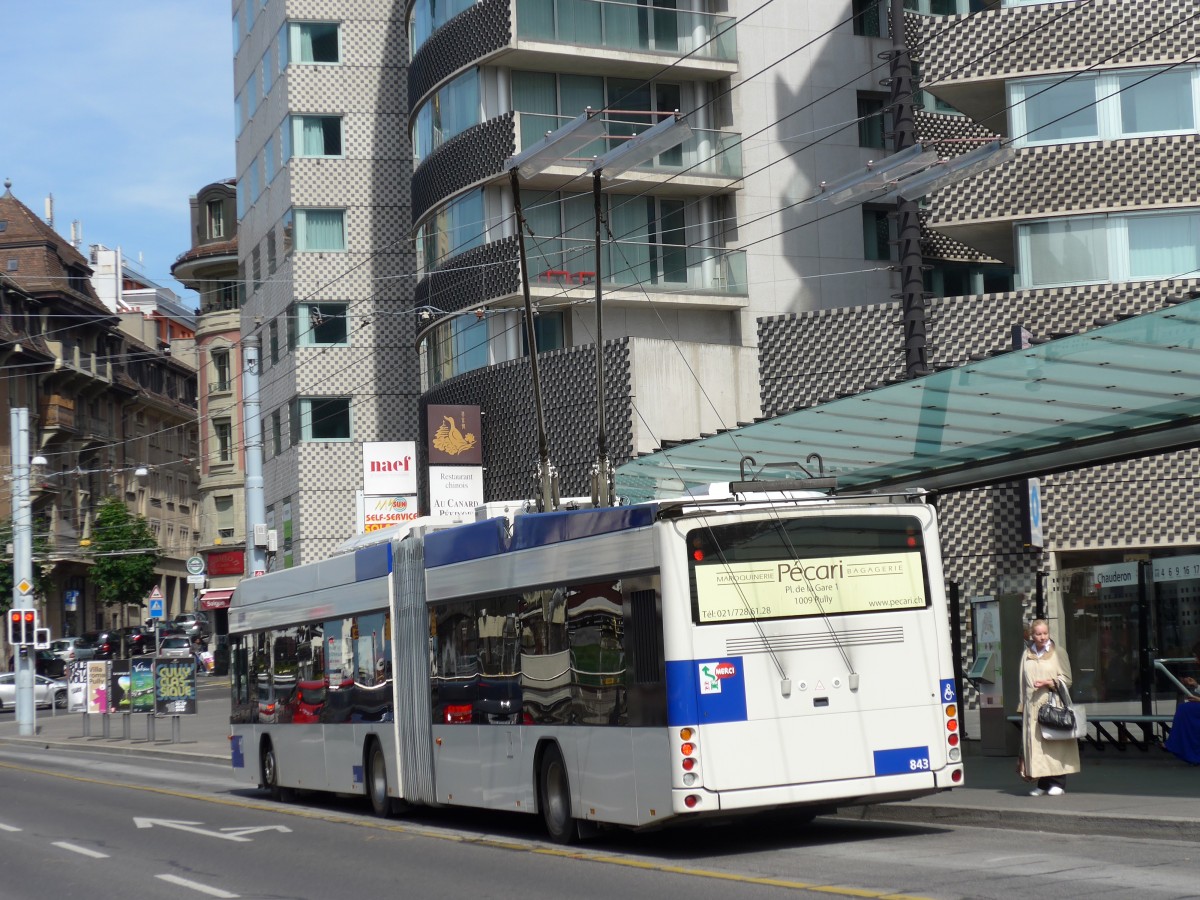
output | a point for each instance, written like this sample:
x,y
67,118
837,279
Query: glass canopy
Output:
x,y
1120,391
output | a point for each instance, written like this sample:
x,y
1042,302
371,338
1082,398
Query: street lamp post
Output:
x,y
22,526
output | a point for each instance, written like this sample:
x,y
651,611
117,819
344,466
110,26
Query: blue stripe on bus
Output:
x,y
902,761
706,691
236,755
569,525
474,541
373,562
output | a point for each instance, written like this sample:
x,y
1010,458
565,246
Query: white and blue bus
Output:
x,y
634,666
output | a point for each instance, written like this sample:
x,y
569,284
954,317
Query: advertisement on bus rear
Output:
x,y
836,585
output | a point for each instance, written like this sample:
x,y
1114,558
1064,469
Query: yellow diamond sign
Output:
x,y
24,586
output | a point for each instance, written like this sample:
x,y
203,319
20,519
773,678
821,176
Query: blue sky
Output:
x,y
122,111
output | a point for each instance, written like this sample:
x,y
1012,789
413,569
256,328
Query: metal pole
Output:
x,y
1145,647
545,480
22,524
956,643
912,290
601,492
256,508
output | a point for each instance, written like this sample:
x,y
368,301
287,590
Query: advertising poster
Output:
x,y
384,512
454,492
141,685
389,467
97,686
118,686
454,435
77,693
175,687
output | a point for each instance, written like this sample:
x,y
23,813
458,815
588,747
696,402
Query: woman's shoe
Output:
x,y
1055,791
1037,792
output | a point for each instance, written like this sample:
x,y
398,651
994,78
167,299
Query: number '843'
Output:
x,y
916,764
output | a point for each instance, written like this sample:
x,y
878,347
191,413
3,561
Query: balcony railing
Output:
x,y
706,153
632,26
655,267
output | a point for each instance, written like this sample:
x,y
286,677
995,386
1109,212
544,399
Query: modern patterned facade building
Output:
x,y
1098,217
323,170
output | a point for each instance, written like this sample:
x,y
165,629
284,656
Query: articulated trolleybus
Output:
x,y
636,666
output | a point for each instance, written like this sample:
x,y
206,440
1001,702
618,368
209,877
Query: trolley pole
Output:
x,y
22,525
256,508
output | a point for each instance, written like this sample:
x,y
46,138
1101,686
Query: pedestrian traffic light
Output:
x,y
22,627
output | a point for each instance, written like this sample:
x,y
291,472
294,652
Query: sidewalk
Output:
x,y
1126,794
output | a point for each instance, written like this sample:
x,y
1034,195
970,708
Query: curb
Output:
x,y
119,747
1074,823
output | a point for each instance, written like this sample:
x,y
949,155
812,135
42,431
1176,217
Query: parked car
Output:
x,y
72,649
46,691
49,665
107,644
137,641
177,647
194,625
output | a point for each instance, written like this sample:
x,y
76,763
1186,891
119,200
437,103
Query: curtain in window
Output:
x,y
578,93
579,233
629,259
311,138
304,43
1062,111
535,20
534,97
544,251
1067,252
1163,246
320,229
673,235
1158,104
626,25
579,22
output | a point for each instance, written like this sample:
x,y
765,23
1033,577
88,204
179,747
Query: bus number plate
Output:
x,y
902,761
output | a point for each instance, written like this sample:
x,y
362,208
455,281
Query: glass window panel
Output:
x,y
534,96
314,42
325,419
1061,111
320,230
1163,245
322,324
1158,104
1068,251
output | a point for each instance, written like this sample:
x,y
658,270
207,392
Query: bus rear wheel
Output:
x,y
555,794
377,784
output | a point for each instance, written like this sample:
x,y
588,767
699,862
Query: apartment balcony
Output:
x,y
57,413
709,160
69,359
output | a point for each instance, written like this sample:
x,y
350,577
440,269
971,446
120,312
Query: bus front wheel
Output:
x,y
555,794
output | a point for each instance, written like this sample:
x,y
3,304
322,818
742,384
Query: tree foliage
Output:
x,y
119,572
41,568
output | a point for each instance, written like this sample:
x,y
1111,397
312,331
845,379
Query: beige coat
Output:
x,y
1044,758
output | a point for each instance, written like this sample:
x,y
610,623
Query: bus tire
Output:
x,y
377,784
270,775
554,794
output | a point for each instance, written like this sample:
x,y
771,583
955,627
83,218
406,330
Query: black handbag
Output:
x,y
1056,714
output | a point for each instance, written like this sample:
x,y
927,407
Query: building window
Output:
x,y
273,340
12,265
873,121
316,136
223,429
322,325
314,42
276,433
225,523
320,230
869,19
449,112
220,361
877,233
323,418
1089,249
216,219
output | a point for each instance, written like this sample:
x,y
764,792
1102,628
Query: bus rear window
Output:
x,y
794,568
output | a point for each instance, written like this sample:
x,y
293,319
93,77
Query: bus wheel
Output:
x,y
270,775
555,794
377,786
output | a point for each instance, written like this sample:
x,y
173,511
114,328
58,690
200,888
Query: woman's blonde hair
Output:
x,y
1036,622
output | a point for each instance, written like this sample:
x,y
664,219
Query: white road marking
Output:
x,y
197,886
83,851
4,827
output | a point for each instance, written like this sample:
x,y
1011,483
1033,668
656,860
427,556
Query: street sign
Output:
x,y
197,579
258,573
156,608
195,565
24,586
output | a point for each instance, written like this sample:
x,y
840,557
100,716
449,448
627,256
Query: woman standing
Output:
x,y
1043,666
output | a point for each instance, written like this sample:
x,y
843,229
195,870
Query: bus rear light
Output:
x,y
687,749
954,755
952,724
691,801
458,714
951,711
689,764
956,775
689,779
952,740
685,734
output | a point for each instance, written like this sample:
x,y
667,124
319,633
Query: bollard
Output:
x,y
107,726
174,729
150,727
125,726
87,725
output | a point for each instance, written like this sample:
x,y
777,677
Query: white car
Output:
x,y
72,649
46,691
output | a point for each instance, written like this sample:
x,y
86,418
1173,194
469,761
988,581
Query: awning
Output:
x,y
216,598
1121,391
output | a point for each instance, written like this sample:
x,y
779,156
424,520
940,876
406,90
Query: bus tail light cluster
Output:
x,y
953,751
689,763
458,713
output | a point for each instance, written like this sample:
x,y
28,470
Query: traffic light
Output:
x,y
22,627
